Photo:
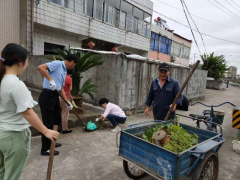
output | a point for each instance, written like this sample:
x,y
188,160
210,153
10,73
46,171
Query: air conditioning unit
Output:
x,y
173,58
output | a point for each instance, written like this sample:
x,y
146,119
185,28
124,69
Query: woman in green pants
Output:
x,y
16,114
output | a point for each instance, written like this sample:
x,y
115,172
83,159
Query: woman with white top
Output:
x,y
16,114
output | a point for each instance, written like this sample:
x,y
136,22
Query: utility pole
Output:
x,y
194,58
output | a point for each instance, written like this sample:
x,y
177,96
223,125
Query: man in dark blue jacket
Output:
x,y
162,93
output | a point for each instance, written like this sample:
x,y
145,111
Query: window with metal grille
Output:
x,y
98,9
140,27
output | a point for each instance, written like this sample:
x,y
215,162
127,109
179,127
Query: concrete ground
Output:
x,y
94,156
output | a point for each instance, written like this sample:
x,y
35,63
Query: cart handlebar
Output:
x,y
203,121
205,151
213,105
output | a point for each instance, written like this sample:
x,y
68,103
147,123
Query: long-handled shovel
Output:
x,y
52,150
181,90
74,111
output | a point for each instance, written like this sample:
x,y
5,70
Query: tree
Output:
x,y
215,65
85,62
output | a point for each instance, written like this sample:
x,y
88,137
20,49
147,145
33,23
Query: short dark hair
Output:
x,y
70,71
71,57
103,101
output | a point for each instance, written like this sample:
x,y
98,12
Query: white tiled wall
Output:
x,y
9,22
161,31
41,36
146,5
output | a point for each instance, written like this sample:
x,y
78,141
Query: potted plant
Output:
x,y
86,60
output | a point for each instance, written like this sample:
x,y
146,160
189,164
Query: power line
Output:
x,y
223,10
227,9
197,16
196,30
186,25
195,25
235,3
190,27
232,5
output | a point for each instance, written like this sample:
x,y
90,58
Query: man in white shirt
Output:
x,y
113,113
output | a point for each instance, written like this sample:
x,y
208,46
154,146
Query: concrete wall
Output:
x,y
123,81
182,61
9,22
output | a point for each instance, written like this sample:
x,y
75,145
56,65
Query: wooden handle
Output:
x,y
52,150
181,90
74,111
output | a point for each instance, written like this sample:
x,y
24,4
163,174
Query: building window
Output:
x,y
147,24
98,9
185,52
176,49
122,20
165,45
90,8
110,14
80,6
135,25
140,27
49,48
59,2
154,42
129,22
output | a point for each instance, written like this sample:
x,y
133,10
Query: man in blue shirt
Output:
x,y
54,77
162,93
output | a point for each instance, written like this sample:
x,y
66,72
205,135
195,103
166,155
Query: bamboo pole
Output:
x,y
181,90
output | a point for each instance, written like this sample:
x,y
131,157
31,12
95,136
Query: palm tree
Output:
x,y
85,62
215,65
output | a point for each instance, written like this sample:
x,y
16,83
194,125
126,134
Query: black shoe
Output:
x,y
58,145
45,153
66,132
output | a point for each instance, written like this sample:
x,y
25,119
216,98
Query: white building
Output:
x,y
62,23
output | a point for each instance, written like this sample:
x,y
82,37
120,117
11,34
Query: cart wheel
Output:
x,y
132,171
207,168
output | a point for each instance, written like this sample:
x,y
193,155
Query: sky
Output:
x,y
204,9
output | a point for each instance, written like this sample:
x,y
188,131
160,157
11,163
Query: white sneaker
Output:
x,y
116,129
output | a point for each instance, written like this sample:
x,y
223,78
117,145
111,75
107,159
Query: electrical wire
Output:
x,y
190,27
223,10
197,16
235,4
195,25
227,9
232,5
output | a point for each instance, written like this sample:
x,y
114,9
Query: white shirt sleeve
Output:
x,y
22,97
107,111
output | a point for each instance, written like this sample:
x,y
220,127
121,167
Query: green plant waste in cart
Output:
x,y
171,137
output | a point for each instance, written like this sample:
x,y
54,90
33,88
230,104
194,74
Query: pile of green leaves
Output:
x,y
180,139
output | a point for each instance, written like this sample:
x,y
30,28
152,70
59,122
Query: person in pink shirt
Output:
x,y
113,113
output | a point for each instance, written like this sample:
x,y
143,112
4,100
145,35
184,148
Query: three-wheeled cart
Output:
x,y
199,162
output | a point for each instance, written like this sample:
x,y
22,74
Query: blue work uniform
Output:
x,y
162,97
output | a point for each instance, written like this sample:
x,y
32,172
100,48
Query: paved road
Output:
x,y
94,156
